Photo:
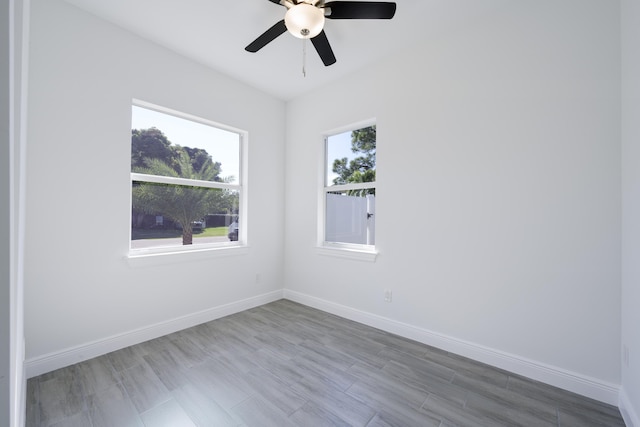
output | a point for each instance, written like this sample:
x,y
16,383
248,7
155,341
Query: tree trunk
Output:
x,y
139,219
187,234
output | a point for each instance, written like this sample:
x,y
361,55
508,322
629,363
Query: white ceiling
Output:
x,y
214,33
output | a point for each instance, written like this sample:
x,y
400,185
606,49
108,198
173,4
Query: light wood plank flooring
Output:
x,y
284,364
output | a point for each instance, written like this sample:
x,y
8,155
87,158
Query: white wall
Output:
x,y
498,152
79,289
631,209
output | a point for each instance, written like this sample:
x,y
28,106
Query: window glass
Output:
x,y
185,182
349,192
351,157
165,137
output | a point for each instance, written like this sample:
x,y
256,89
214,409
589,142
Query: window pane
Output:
x,y
351,157
350,217
166,145
160,211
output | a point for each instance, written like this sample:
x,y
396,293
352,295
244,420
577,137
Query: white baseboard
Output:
x,y
629,413
577,383
19,408
571,381
21,417
59,359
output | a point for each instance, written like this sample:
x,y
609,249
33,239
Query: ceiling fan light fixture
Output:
x,y
304,21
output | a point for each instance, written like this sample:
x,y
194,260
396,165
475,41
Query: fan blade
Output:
x,y
267,37
360,10
321,43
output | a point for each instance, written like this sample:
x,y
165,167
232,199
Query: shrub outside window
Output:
x,y
186,187
350,189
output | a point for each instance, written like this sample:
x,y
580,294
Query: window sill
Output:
x,y
349,253
144,258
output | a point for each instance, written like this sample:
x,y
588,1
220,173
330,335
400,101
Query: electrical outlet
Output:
x,y
625,355
387,295
257,277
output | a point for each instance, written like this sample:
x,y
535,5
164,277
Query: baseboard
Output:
x,y
557,377
56,360
21,416
571,381
629,413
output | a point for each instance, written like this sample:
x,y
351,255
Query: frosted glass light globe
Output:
x,y
304,21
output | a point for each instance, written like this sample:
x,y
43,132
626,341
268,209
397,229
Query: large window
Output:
x,y
186,184
350,189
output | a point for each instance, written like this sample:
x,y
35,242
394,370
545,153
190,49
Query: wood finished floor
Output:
x,y
284,364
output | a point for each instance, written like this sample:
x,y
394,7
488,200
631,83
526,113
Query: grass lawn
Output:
x,y
159,233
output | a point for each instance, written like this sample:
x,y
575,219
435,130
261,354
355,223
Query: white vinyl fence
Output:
x,y
350,219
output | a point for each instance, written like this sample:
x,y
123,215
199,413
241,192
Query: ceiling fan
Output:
x,y
304,19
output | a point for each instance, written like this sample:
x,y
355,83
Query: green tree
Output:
x,y
361,168
199,157
183,204
151,144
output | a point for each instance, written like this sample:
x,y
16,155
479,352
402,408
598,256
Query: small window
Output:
x,y
350,189
186,187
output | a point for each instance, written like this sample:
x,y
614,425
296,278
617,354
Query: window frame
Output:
x,y
208,249
354,251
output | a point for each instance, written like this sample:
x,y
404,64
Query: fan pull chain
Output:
x,y
304,57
